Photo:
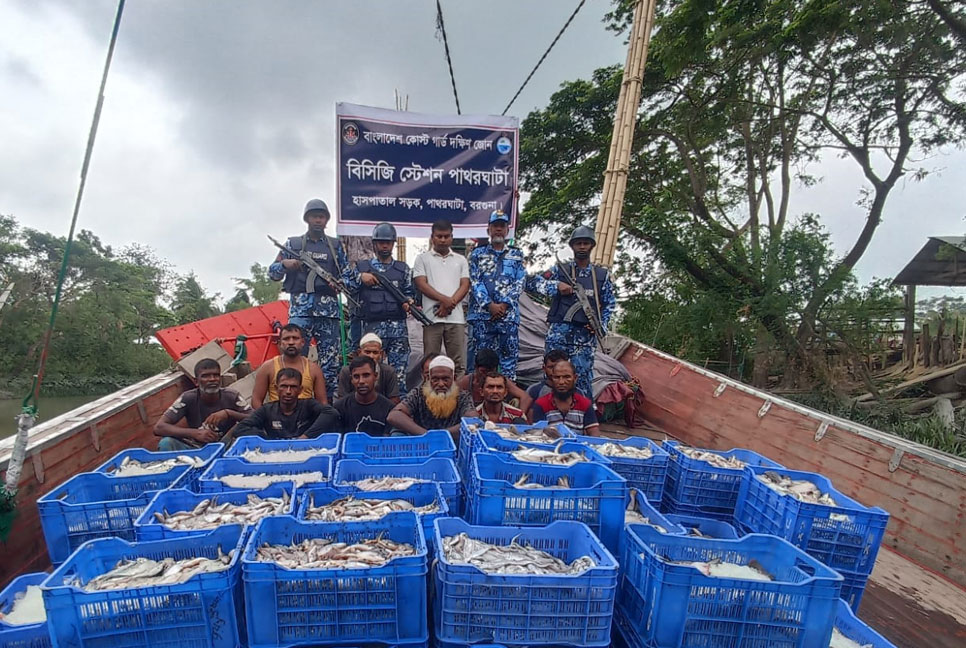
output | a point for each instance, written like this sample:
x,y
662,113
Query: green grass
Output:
x,y
925,429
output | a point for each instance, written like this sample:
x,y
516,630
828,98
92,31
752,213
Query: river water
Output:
x,y
49,408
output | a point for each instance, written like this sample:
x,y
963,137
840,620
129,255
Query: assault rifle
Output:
x,y
583,301
312,265
402,299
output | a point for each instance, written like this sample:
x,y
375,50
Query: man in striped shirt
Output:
x,y
564,404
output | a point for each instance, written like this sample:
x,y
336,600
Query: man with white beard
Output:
x,y
437,404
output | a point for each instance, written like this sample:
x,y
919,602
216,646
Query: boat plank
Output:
x,y
924,497
73,453
907,605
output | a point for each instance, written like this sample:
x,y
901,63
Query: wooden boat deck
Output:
x,y
907,604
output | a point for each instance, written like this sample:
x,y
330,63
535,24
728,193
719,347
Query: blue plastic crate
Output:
x,y
147,527
493,443
204,611
623,634
469,441
325,445
696,487
846,536
209,481
441,471
435,444
93,505
296,607
646,475
188,479
472,606
853,628
30,635
707,526
674,605
853,587
596,497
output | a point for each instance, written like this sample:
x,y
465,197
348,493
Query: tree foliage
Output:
x,y
110,307
740,101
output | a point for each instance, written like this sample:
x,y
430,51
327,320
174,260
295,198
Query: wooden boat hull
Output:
x,y
916,594
76,442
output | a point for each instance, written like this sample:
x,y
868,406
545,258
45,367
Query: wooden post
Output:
x,y
926,342
625,121
909,329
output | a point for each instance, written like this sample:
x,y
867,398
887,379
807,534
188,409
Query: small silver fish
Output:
x,y
326,553
351,509
513,558
264,480
132,467
386,483
209,514
145,572
258,455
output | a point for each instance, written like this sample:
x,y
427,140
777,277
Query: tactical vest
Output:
x,y
377,304
566,308
297,281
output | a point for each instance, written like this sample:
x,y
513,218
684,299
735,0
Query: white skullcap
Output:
x,y
370,337
442,361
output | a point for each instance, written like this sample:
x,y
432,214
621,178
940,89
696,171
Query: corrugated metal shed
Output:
x,y
940,262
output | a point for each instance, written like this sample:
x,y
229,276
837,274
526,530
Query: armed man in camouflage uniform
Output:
x,y
379,311
570,330
496,281
313,303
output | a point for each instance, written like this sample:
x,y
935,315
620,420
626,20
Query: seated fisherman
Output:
x,y
437,404
364,409
208,411
493,408
552,357
486,362
291,341
387,382
564,404
290,417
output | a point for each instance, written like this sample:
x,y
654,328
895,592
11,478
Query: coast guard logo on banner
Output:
x,y
503,145
350,133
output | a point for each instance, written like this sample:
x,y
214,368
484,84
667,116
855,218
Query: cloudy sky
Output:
x,y
218,122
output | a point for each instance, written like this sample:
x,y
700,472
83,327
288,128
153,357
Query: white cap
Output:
x,y
442,361
370,337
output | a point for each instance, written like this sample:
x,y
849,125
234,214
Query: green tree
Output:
x,y
259,288
239,301
109,310
740,100
190,302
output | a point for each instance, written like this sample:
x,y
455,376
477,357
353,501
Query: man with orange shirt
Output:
x,y
290,343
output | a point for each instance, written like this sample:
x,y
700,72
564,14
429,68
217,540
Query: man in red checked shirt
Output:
x,y
493,408
564,404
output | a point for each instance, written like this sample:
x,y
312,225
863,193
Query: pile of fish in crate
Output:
x,y
527,536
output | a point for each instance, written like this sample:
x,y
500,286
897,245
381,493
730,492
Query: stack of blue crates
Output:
x,y
845,537
290,607
645,475
472,606
203,611
695,487
669,602
647,599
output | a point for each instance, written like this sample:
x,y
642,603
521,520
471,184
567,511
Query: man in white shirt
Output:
x,y
443,278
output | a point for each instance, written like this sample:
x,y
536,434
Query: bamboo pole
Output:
x,y
401,249
625,121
